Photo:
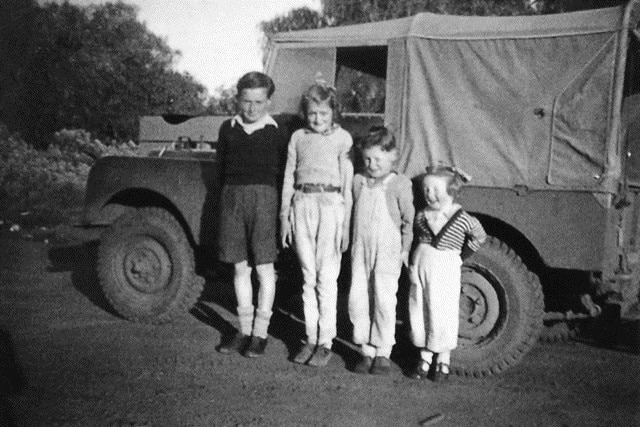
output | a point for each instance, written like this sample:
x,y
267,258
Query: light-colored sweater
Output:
x,y
314,158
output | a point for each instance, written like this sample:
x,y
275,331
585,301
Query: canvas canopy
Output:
x,y
515,101
451,27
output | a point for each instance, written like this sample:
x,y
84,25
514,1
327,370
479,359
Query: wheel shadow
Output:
x,y
218,289
287,322
404,353
81,260
12,378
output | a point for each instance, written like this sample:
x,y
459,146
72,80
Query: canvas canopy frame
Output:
x,y
531,101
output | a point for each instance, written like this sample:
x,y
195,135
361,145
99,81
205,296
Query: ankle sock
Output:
x,y
245,316
261,323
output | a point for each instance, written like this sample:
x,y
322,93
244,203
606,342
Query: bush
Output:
x,y
53,179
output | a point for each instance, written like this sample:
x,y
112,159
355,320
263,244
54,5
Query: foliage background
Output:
x,y
51,180
96,68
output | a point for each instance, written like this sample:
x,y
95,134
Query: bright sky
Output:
x,y
219,39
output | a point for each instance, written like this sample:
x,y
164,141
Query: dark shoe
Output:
x,y
381,366
421,371
441,373
304,354
256,347
364,366
320,357
236,344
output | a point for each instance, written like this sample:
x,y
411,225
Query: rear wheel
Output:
x,y
501,311
146,267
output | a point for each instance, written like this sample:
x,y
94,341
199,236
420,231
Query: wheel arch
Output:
x,y
136,198
559,286
515,239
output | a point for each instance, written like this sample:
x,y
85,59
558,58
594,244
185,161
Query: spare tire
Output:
x,y
146,267
501,311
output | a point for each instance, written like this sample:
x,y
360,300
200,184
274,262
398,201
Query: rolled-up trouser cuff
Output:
x,y
368,350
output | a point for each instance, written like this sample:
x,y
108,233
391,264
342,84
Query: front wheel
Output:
x,y
146,267
501,311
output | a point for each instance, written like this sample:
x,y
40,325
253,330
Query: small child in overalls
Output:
x,y
315,215
446,236
382,235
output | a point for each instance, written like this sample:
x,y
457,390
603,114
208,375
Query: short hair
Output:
x,y
320,93
256,80
378,136
455,177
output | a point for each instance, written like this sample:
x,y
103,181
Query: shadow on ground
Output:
x,y
81,260
12,379
287,322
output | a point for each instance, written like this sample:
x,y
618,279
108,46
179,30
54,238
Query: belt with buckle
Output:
x,y
317,188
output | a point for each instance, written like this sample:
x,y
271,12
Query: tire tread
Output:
x,y
533,323
191,287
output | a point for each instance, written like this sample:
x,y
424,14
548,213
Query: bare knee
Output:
x,y
265,271
241,269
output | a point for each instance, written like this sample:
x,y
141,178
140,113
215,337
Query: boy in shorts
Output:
x,y
250,149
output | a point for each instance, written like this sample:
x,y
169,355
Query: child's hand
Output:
x,y
405,258
286,233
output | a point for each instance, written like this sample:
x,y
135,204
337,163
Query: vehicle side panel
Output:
x,y
568,229
188,185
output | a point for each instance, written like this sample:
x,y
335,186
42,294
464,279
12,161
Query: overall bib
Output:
x,y
376,262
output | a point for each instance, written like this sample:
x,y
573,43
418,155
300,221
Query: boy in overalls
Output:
x,y
382,235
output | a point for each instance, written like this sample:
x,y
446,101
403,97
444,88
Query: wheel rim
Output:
x,y
479,307
146,265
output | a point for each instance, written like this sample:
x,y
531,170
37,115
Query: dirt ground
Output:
x,y
66,359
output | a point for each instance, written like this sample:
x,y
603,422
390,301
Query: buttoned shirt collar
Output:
x,y
249,128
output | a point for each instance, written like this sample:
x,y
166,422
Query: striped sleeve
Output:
x,y
454,236
476,234
464,233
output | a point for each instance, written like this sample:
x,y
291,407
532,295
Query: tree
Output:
x,y
16,23
96,68
357,11
297,19
222,102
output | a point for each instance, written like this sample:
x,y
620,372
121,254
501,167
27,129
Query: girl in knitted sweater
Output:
x,y
316,206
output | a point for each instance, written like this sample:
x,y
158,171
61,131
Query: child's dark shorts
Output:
x,y
248,220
